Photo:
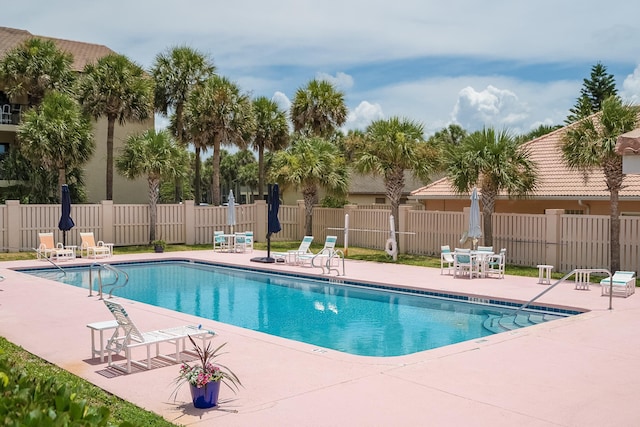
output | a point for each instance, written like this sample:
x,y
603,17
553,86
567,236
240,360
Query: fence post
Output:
x,y
403,228
553,237
14,226
107,234
260,227
189,221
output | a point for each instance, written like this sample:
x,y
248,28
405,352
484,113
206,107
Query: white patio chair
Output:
x,y
464,263
220,241
496,263
446,258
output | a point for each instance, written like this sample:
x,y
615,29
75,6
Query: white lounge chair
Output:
x,y
48,249
622,283
290,257
446,258
127,337
319,259
91,249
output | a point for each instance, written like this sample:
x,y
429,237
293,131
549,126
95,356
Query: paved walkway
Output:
x,y
578,371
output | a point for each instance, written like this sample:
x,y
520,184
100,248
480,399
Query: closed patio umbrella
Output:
x,y
231,211
66,223
475,232
273,223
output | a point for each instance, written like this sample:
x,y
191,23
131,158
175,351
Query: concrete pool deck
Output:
x,y
578,371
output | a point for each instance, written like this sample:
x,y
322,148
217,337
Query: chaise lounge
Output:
x,y
128,337
622,283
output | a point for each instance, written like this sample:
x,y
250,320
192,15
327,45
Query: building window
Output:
x,y
380,200
574,211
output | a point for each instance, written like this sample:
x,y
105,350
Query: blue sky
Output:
x,y
502,63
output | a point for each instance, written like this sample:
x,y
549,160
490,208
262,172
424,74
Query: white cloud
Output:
x,y
631,87
493,107
341,81
282,100
361,116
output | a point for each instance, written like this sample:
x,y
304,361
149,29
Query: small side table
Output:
x,y
100,327
110,246
583,278
544,274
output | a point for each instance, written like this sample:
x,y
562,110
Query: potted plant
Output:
x,y
206,376
159,245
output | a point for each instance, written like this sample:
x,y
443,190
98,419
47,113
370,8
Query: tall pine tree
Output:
x,y
599,87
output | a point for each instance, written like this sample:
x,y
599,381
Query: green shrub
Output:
x,y
29,401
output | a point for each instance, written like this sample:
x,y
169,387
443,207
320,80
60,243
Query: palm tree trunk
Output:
x,y
488,207
614,231
394,184
197,189
154,192
261,172
309,194
215,184
61,180
111,121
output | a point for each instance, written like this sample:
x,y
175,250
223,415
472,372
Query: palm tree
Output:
x,y
154,155
310,163
493,161
590,144
35,67
116,88
56,136
176,72
218,113
390,148
272,133
318,109
452,134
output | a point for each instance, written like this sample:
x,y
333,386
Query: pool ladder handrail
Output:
x,y
332,254
101,286
51,262
565,277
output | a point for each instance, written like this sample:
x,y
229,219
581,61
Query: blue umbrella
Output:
x,y
475,232
66,223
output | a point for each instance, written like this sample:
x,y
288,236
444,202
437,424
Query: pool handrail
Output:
x,y
565,277
101,286
51,262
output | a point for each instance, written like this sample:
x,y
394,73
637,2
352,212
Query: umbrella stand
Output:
x,y
273,204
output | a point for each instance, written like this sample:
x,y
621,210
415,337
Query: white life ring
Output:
x,y
391,247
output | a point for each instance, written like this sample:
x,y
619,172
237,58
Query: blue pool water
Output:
x,y
345,317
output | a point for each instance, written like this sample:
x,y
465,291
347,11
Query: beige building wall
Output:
x,y
95,171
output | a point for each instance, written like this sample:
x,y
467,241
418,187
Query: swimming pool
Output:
x,y
350,317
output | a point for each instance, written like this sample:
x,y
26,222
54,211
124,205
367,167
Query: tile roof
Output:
x,y
83,53
555,180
